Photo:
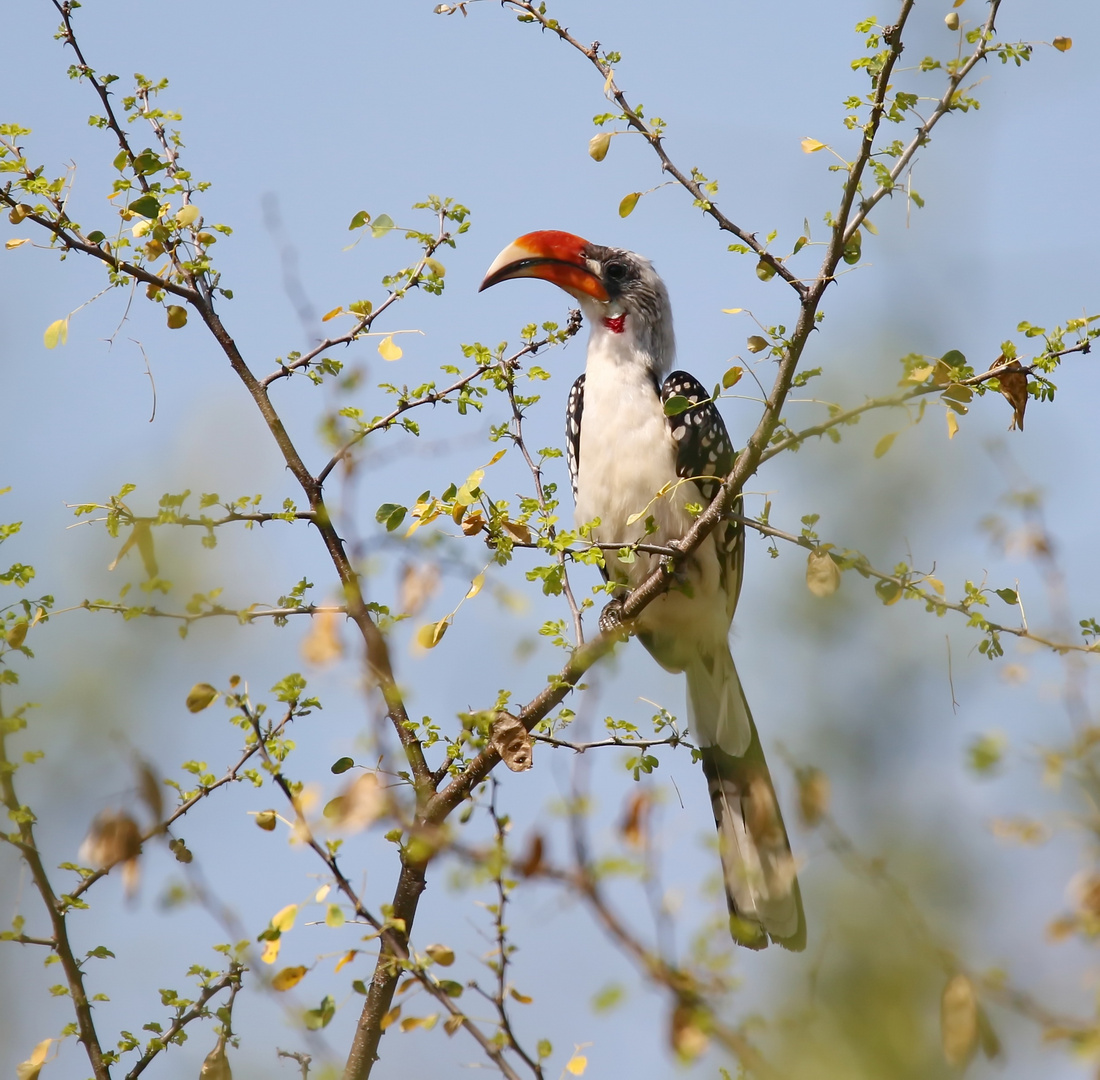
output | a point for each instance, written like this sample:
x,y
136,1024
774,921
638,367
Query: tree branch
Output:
x,y
56,909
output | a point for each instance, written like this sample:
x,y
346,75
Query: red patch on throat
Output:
x,y
616,325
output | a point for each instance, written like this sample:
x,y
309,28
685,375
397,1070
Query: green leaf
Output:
x,y
626,207
381,225
315,1019
342,765
765,271
676,405
607,998
148,206
1008,596
360,219
200,696
732,377
853,248
147,163
985,753
391,515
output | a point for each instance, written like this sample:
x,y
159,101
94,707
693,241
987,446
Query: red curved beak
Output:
x,y
554,256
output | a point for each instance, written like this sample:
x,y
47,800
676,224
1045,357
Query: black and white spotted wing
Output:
x,y
573,413
703,449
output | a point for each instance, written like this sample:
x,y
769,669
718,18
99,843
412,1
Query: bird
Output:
x,y
645,472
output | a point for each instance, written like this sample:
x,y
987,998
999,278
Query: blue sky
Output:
x,y
372,106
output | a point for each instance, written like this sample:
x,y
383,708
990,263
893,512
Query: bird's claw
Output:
x,y
611,618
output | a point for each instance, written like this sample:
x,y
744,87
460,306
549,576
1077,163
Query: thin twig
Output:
x,y
231,980
702,199
56,908
540,494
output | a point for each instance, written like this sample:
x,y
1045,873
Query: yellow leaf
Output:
x,y
952,424
496,457
1062,44
390,1017
811,146
756,344
425,1022
57,333
633,517
142,227
271,951
321,893
177,317
732,310
732,377
200,696
919,374
441,954
959,1020
346,959
435,267
29,1069
267,820
335,917
822,574
430,634
609,82
215,1065
598,144
419,583
523,999
19,243
576,1065
476,586
626,207
466,494
936,584
187,215
322,645
388,350
332,314
951,20
884,444
283,920
288,978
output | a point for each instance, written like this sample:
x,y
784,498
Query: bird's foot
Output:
x,y
611,618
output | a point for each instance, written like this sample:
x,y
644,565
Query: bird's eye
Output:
x,y
615,271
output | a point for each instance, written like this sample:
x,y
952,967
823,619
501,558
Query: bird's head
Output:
x,y
619,291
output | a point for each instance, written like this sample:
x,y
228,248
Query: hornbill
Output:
x,y
638,471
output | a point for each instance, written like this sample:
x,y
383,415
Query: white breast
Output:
x,y
627,456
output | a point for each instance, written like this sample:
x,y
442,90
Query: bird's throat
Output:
x,y
616,324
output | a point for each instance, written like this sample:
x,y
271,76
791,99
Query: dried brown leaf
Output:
x,y
511,740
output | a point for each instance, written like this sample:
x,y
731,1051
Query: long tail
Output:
x,y
759,870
